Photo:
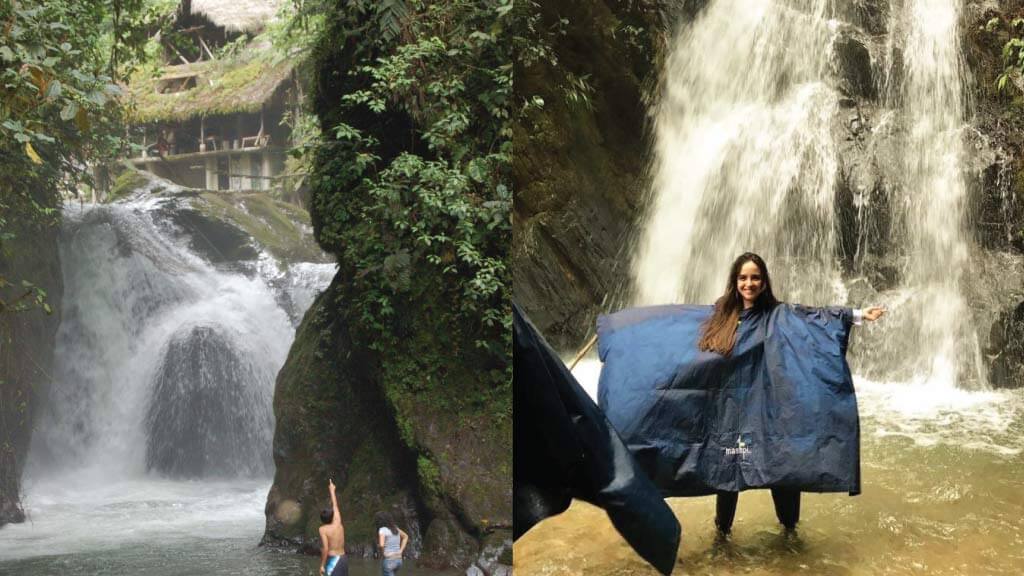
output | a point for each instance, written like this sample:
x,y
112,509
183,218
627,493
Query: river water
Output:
x,y
943,478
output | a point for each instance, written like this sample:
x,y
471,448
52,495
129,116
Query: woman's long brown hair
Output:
x,y
718,333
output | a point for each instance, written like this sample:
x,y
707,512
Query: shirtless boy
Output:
x,y
333,561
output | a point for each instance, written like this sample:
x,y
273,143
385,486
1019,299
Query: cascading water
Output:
x,y
929,195
151,337
746,159
159,423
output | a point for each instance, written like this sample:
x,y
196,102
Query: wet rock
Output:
x,y
495,556
1005,353
205,417
871,16
447,545
853,61
215,240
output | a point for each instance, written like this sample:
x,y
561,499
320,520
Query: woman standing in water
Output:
x,y
392,541
749,291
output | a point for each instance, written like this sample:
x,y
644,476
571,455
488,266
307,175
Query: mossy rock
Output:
x,y
281,228
126,182
437,458
333,422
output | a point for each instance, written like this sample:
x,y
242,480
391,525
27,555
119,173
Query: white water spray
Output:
x,y
165,363
932,337
158,427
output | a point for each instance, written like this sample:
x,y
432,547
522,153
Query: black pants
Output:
x,y
787,508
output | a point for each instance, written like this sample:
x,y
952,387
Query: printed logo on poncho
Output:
x,y
741,448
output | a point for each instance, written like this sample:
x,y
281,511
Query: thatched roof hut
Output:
x,y
209,88
236,15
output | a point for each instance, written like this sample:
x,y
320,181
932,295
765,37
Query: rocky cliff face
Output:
x,y
27,341
334,422
580,158
998,212
392,388
336,419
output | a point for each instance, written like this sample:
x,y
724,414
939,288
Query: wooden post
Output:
x,y
583,352
183,59
210,167
203,44
202,133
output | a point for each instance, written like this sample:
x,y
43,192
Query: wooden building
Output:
x,y
212,118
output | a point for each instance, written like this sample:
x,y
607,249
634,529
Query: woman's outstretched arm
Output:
x,y
872,313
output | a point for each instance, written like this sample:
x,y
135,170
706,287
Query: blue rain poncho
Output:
x,y
780,411
564,448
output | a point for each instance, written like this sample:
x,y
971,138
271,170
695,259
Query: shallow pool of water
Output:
x,y
79,525
943,493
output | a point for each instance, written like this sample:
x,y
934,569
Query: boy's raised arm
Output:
x,y
334,502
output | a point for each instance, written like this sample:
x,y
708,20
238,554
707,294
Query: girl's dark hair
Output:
x,y
718,334
383,520
326,516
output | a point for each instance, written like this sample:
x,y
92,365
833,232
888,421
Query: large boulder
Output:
x,y
1005,353
445,476
209,413
333,422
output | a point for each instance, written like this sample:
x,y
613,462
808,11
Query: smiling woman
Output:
x,y
749,286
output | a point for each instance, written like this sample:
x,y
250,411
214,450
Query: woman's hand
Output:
x,y
873,313
330,485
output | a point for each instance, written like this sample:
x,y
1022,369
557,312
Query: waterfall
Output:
x,y
746,158
932,336
165,362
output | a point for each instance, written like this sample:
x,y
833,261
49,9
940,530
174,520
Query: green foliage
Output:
x,y
29,297
534,40
1013,48
411,183
234,48
430,476
58,108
